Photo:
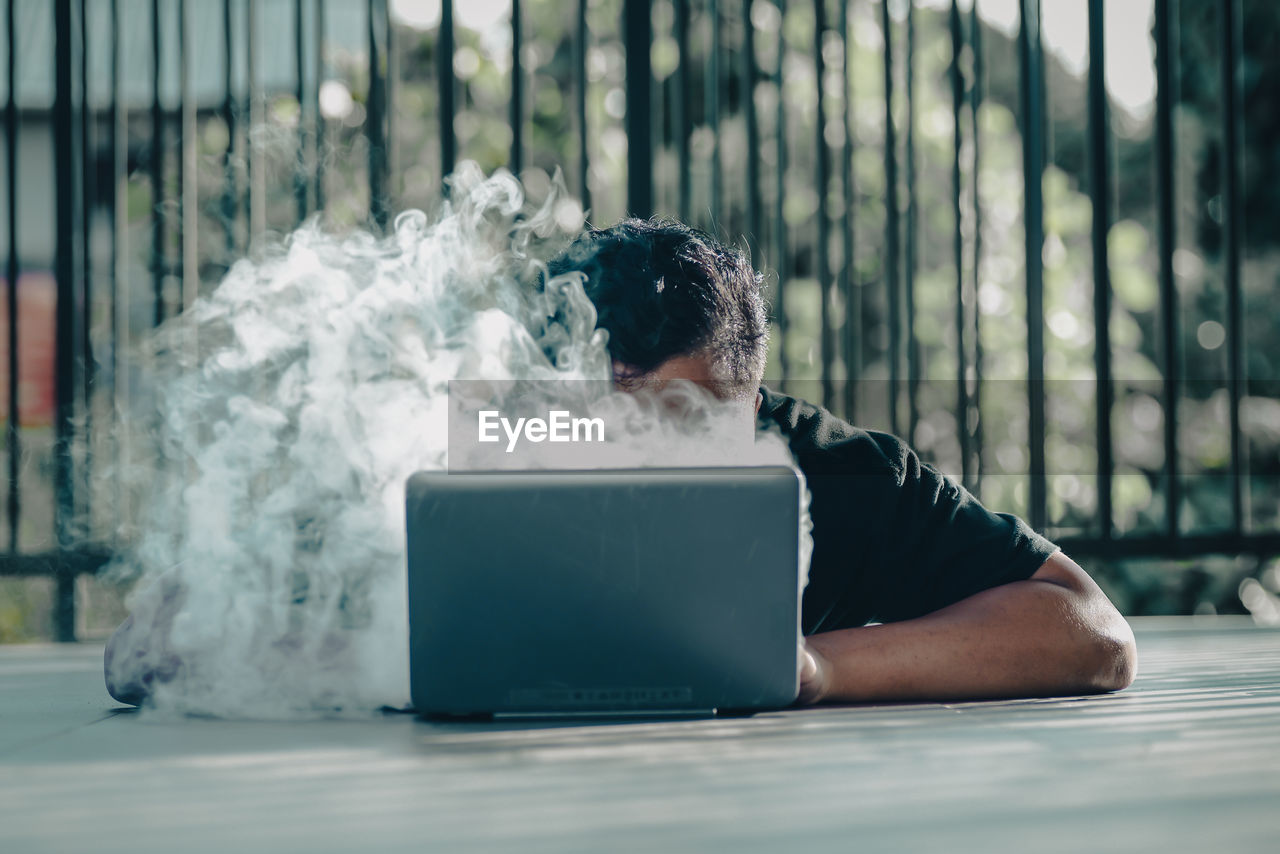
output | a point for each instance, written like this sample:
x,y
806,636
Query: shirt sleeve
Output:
x,y
939,544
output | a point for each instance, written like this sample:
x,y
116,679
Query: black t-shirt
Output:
x,y
893,538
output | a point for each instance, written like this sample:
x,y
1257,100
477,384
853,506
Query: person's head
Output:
x,y
677,305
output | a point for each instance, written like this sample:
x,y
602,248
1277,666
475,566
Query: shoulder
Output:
x,y
831,444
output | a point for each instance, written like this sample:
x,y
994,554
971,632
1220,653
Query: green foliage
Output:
x,y
25,605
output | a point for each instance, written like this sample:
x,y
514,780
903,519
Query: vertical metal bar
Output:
x,y
1099,186
181,189
375,122
517,91
1166,17
155,163
189,196
780,191
249,114
230,183
749,76
909,277
84,307
848,284
680,106
713,112
975,106
68,51
64,609
957,109
891,220
580,100
823,155
1232,219
300,72
255,155
391,74
13,434
1030,61
119,238
637,32
320,136
444,73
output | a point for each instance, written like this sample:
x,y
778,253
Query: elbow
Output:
x,y
1104,650
1111,655
1118,665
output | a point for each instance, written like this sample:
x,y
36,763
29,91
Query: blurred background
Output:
x,y
1034,237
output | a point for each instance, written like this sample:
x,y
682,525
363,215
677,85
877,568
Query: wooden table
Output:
x,y
1187,759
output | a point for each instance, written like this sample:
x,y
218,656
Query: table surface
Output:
x,y
1187,759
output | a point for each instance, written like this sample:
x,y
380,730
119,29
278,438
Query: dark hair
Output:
x,y
663,289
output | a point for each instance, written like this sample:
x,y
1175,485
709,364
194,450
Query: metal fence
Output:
x,y
99,146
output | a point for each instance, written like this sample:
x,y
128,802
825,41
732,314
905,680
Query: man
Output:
x,y
968,603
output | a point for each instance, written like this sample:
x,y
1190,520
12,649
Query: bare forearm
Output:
x,y
1028,638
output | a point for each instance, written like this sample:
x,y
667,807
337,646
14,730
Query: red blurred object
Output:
x,y
37,299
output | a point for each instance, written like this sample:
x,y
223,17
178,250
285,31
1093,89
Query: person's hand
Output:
x,y
815,675
137,656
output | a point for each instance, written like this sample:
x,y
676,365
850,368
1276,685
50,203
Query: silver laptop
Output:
x,y
628,592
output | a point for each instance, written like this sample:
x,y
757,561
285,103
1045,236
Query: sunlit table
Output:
x,y
1187,759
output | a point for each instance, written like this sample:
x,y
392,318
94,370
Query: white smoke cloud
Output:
x,y
283,414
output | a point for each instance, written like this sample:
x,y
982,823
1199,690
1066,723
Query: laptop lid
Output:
x,y
628,591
